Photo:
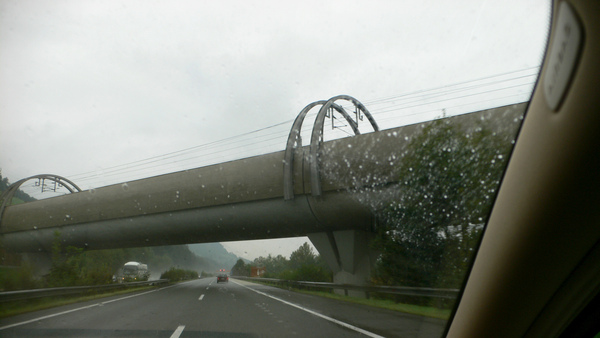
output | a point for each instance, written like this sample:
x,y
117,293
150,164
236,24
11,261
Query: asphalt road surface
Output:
x,y
203,308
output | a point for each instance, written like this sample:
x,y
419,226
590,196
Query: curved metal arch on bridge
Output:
x,y
295,141
317,137
13,188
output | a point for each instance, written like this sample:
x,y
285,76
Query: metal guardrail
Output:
x,y
397,290
72,290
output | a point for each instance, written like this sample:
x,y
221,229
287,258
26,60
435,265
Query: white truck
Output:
x,y
134,272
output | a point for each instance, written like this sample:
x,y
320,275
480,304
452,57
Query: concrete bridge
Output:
x,y
268,196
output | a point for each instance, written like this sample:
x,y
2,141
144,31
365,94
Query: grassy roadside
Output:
x,y
14,308
419,310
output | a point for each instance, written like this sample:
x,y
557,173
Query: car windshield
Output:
x,y
335,159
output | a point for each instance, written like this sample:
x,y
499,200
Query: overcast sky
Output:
x,y
103,92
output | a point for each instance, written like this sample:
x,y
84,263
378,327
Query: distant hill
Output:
x,y
19,196
216,253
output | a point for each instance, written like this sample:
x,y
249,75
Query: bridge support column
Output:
x,y
348,255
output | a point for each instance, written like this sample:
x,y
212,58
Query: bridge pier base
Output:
x,y
349,256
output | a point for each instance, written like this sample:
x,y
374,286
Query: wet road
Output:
x,y
205,308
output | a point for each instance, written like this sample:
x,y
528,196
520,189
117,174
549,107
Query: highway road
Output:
x,y
207,309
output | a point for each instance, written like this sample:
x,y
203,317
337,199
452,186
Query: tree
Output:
x,y
274,265
64,270
447,183
19,197
304,255
305,265
4,183
240,268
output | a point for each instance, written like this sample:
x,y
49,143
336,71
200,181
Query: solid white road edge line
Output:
x,y
177,332
333,320
80,308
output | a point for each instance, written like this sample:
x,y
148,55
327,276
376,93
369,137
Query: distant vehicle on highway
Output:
x,y
222,278
134,272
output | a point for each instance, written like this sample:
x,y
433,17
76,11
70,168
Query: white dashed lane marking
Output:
x,y
338,322
178,331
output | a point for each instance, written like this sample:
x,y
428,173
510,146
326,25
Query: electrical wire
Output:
x,y
272,138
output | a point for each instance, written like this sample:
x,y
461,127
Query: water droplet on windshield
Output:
x,y
125,186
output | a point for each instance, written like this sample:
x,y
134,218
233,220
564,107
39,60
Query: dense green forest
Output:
x,y
429,231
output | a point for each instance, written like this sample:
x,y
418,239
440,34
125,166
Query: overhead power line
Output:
x,y
272,138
